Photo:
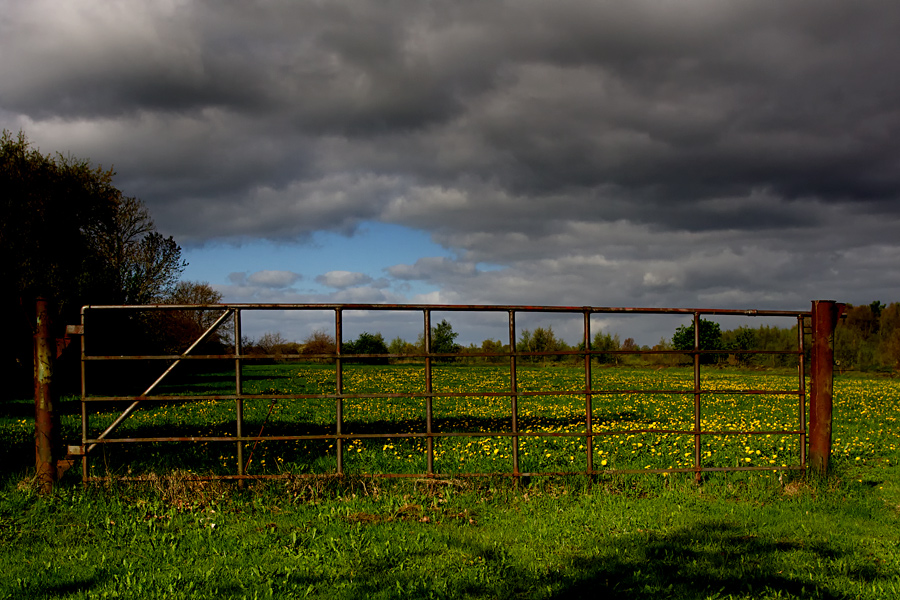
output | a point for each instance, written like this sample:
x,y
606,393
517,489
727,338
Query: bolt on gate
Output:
x,y
590,401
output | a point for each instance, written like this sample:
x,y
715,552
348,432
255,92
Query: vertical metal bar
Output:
x,y
588,396
824,319
85,467
46,431
812,376
697,441
428,390
339,390
239,391
514,392
801,366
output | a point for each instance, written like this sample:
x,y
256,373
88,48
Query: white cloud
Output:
x,y
343,279
273,279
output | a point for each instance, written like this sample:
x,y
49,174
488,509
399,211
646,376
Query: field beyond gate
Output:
x,y
643,431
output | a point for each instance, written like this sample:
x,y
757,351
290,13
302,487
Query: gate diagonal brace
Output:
x,y
127,412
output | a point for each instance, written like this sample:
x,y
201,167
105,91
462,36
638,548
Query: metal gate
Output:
x,y
510,395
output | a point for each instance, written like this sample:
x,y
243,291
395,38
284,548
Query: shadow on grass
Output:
x,y
24,408
49,588
703,560
200,457
709,559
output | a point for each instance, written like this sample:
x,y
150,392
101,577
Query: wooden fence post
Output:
x,y
46,435
825,314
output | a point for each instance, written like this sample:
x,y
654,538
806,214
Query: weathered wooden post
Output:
x,y
46,436
825,314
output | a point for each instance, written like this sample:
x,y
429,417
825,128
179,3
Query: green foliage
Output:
x,y
869,337
541,340
45,208
67,234
48,205
710,339
495,347
443,340
606,341
368,343
397,346
737,340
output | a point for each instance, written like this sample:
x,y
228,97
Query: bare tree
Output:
x,y
272,342
319,342
143,265
187,325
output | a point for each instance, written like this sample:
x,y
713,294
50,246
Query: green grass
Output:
x,y
735,537
738,535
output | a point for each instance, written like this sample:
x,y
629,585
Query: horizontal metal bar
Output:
x,y
109,357
445,434
458,356
198,398
456,308
597,432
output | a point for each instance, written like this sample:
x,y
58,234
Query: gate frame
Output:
x,y
823,318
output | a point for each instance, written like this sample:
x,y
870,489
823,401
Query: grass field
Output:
x,y
754,534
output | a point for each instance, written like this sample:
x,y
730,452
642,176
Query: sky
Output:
x,y
690,153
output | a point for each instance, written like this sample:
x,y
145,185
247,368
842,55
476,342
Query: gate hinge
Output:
x,y
75,450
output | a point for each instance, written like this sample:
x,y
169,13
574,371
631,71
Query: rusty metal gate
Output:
x,y
338,436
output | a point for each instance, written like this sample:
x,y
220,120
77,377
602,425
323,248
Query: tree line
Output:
x,y
869,337
866,338
320,345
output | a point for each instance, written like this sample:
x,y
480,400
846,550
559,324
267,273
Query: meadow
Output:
x,y
748,534
641,430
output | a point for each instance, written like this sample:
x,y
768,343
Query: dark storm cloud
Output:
x,y
675,151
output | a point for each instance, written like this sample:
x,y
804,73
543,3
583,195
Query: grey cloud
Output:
x,y
667,104
436,268
640,152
